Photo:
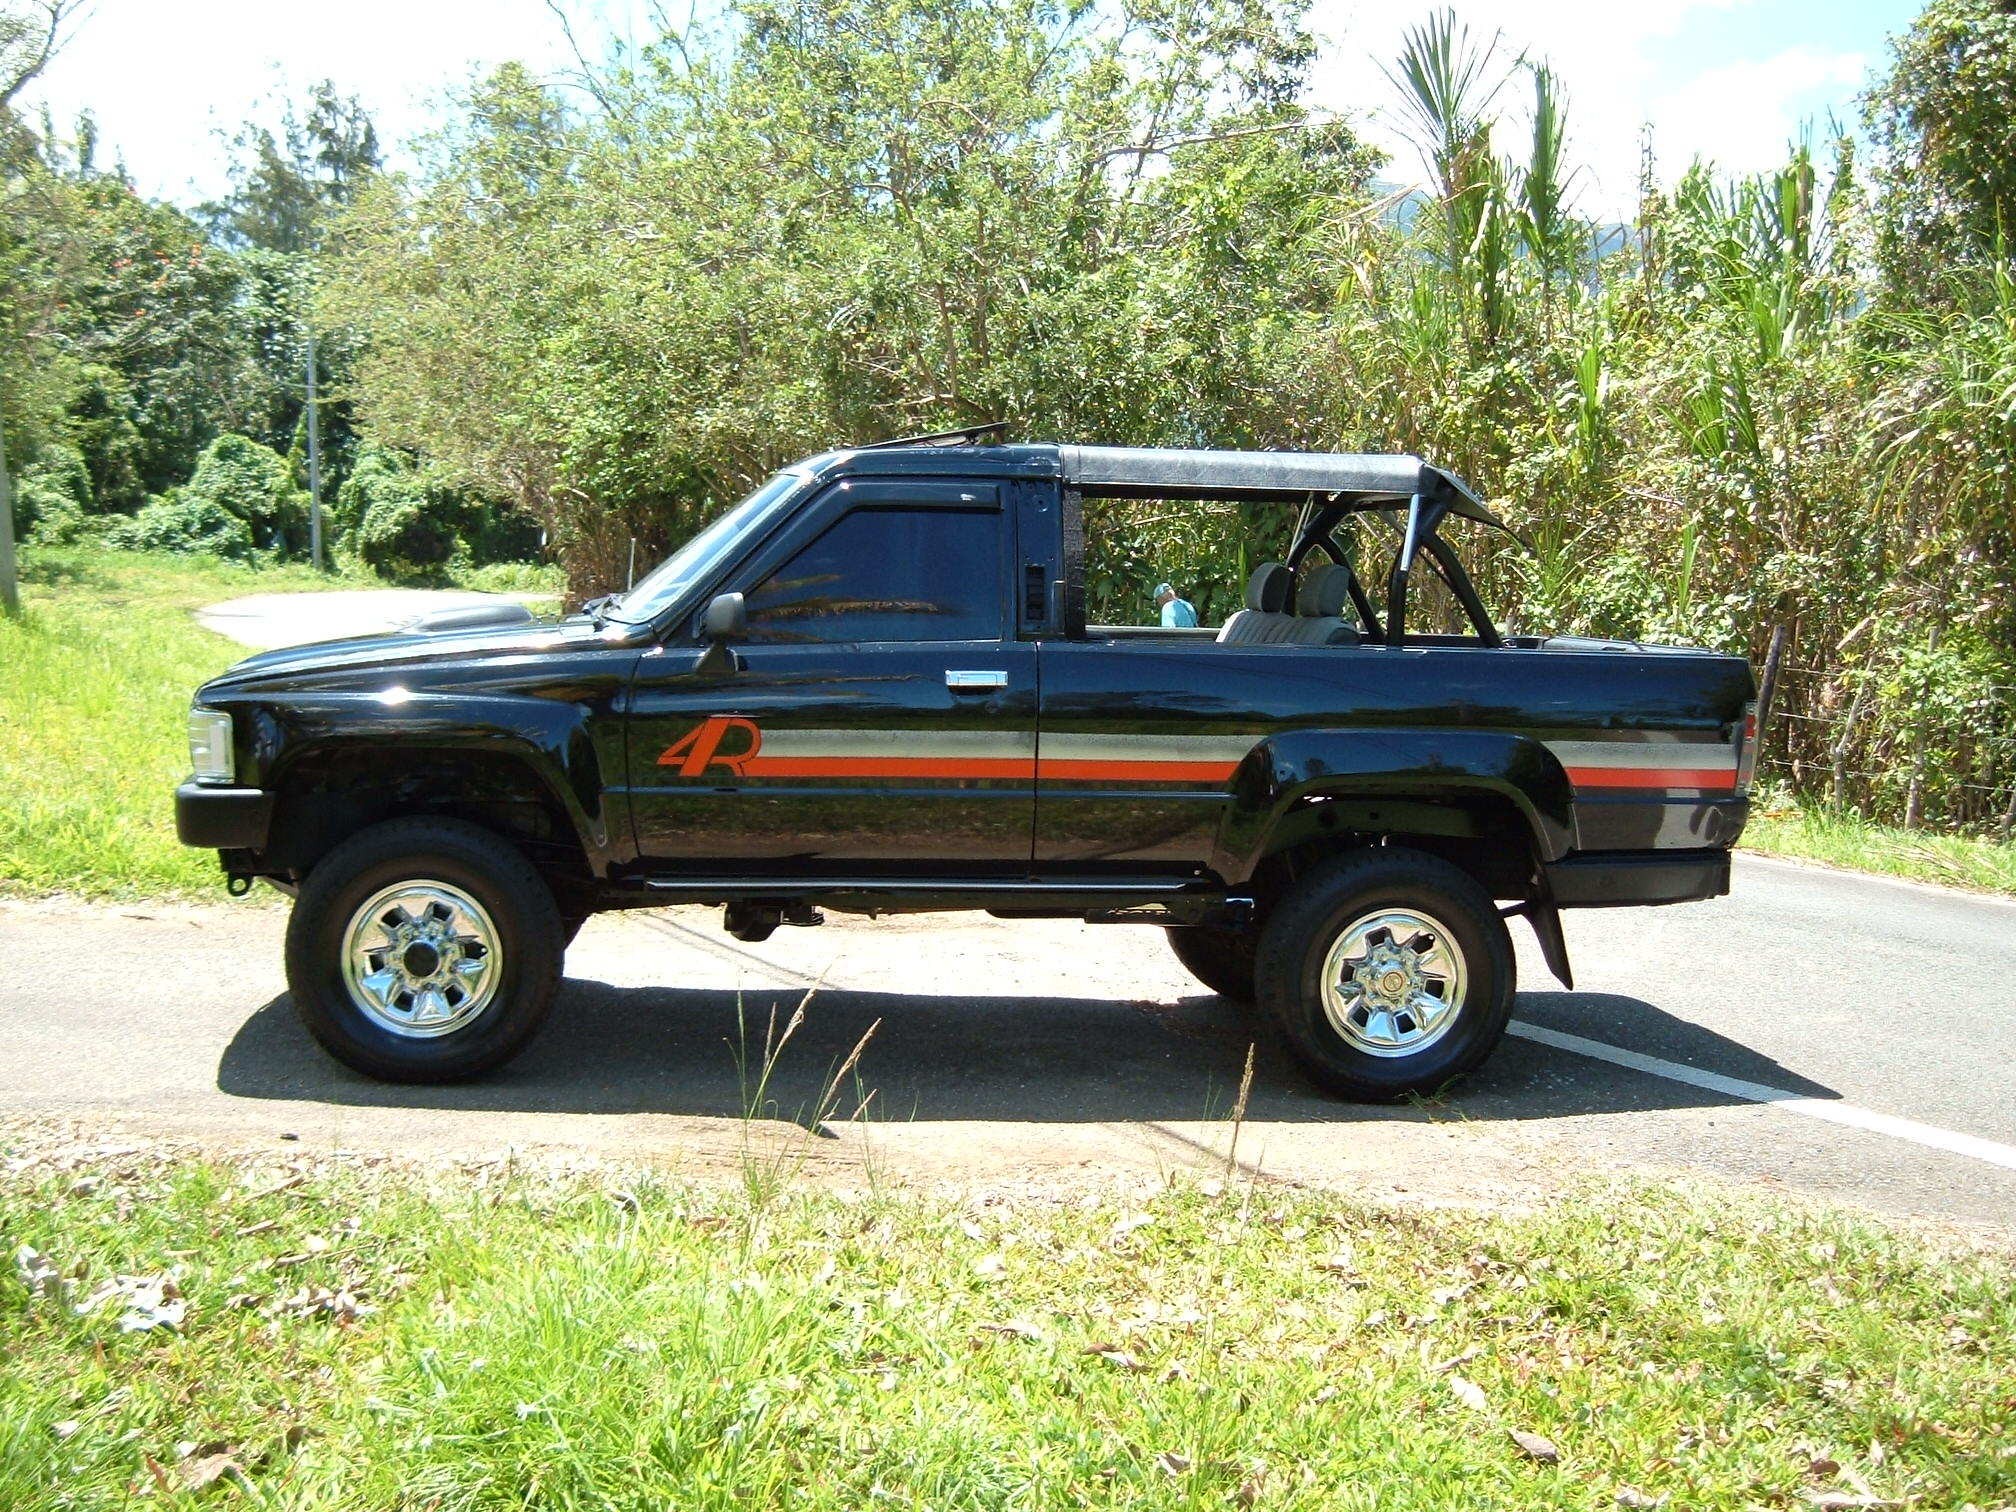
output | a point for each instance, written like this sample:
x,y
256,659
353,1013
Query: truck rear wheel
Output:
x,y
423,950
1389,972
1222,959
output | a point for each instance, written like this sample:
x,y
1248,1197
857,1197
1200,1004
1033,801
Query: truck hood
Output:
x,y
365,656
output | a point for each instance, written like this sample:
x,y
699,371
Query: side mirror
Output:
x,y
725,617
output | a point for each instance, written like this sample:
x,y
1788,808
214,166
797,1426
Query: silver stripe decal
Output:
x,y
1604,753
1147,747
979,744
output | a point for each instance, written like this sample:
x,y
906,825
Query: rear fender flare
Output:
x,y
1409,766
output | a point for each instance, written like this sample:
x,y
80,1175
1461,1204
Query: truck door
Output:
x,y
882,719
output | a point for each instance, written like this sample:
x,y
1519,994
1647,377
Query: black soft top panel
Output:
x,y
1367,479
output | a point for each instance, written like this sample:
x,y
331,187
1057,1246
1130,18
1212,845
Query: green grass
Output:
x,y
1845,840
437,1340
95,680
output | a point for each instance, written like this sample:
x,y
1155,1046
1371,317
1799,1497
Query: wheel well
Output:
x,y
328,796
1484,834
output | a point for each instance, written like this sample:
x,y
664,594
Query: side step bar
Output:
x,y
1167,899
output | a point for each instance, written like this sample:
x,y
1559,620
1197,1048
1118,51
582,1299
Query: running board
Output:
x,y
1162,900
789,887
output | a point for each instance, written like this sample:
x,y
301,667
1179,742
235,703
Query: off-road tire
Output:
x,y
1222,959
1321,908
478,863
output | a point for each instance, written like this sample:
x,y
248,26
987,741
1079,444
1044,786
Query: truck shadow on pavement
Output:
x,y
949,1057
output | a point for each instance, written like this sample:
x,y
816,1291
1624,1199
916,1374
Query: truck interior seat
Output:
x,y
1319,607
1265,620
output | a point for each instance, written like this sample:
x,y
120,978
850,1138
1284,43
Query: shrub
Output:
x,y
55,516
185,522
251,482
59,472
379,474
405,535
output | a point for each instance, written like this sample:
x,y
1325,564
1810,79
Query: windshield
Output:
x,y
699,556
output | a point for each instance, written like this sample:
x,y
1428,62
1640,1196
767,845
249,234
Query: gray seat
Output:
x,y
1265,620
1319,607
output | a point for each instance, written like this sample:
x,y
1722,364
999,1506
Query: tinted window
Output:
x,y
888,575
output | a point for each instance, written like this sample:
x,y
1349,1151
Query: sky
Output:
x,y
1731,81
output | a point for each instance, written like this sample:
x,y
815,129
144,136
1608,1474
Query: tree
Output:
x,y
834,222
1945,120
284,187
31,33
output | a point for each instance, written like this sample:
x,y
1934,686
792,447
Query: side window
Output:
x,y
888,574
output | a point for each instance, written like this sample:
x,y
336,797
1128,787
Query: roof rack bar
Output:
x,y
970,435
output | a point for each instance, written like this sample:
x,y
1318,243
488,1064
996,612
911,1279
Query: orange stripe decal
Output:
x,y
1068,770
889,766
1652,777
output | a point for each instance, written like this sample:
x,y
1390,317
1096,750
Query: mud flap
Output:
x,y
1540,912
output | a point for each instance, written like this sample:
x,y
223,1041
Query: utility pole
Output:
x,y
314,461
10,591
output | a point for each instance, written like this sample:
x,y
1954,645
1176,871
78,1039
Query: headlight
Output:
x,y
210,746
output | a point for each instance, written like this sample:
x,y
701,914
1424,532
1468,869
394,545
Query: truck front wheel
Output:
x,y
423,950
1389,972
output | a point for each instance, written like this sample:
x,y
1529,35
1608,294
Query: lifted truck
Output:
x,y
870,686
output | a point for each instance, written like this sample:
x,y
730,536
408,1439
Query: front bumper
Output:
x,y
222,818
1632,879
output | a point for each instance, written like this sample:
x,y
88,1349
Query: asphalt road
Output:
x,y
1876,1020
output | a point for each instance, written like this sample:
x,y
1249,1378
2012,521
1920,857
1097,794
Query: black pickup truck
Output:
x,y
870,686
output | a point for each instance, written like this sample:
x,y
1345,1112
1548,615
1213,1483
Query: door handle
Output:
x,y
975,681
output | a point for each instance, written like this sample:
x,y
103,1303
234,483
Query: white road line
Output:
x,y
1826,1109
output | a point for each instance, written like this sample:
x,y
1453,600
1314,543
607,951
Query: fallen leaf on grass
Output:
x,y
1533,1446
38,1272
1015,1328
201,1473
1113,1354
151,1302
1468,1392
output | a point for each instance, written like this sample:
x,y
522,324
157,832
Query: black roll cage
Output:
x,y
1420,534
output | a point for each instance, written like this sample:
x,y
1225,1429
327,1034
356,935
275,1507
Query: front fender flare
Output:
x,y
551,738
1416,765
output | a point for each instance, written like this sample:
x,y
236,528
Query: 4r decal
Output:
x,y
700,749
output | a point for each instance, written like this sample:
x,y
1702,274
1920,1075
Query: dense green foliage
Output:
x,y
162,351
823,224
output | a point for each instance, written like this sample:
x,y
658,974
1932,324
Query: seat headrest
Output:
x,y
1267,589
1325,590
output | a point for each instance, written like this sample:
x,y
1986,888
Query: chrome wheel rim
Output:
x,y
1393,982
421,959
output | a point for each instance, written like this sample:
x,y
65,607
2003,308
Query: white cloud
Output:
x,y
1745,114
